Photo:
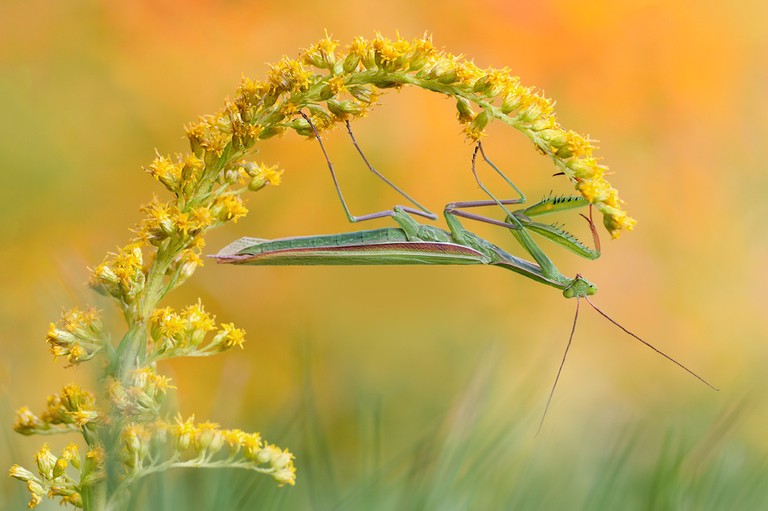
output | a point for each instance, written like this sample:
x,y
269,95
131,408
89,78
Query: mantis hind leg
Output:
x,y
421,211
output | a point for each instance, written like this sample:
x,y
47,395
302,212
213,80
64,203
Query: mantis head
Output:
x,y
579,287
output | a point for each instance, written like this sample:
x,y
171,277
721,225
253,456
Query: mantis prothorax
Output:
x,y
414,243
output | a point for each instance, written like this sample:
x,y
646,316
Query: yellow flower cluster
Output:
x,y
77,336
189,444
184,334
206,187
72,409
52,479
121,275
141,396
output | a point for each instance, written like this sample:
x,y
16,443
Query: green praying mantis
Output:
x,y
413,243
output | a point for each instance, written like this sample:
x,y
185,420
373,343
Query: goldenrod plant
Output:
x,y
127,432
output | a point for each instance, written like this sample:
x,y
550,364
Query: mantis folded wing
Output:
x,y
412,243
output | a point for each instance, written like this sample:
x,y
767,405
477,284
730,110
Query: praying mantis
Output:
x,y
419,244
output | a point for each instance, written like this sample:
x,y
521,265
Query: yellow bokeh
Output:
x,y
674,93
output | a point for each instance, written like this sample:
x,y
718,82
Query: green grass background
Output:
x,y
416,388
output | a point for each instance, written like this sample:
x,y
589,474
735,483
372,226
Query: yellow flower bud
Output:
x,y
60,468
216,443
208,434
251,444
282,460
581,170
480,121
300,125
273,117
321,55
285,476
342,109
75,499
465,113
70,453
37,491
46,461
363,94
489,85
268,454
327,92
20,473
529,114
351,62
229,337
564,152
320,116
104,274
60,337
418,60
271,131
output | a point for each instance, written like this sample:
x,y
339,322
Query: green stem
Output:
x,y
131,352
94,497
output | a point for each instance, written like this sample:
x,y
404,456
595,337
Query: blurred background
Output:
x,y
418,387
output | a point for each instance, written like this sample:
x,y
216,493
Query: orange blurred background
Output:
x,y
674,92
